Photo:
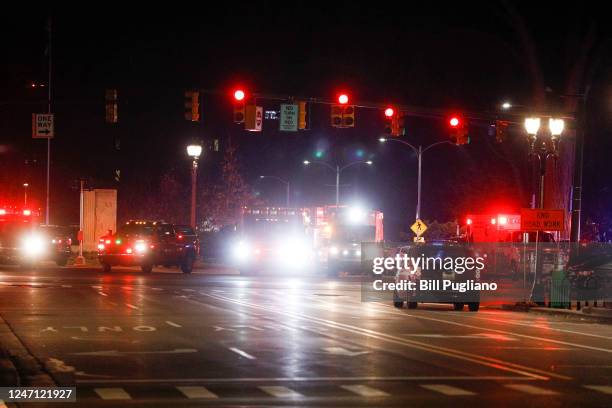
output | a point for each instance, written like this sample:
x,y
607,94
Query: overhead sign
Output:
x,y
289,118
542,220
418,228
42,126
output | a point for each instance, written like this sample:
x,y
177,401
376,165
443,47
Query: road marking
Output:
x,y
157,288
112,393
188,290
242,353
115,353
131,306
103,294
279,391
365,391
304,379
498,331
539,326
169,323
606,389
531,389
195,391
458,354
447,389
343,352
96,286
66,286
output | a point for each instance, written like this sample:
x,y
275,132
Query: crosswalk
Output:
x,y
200,392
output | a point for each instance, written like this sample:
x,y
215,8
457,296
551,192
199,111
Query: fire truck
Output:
x,y
23,241
338,232
301,238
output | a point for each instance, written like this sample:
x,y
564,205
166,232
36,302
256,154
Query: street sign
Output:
x,y
253,118
420,240
542,220
418,228
42,126
288,118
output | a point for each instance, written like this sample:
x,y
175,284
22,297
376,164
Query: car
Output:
x,y
437,294
147,244
188,235
59,243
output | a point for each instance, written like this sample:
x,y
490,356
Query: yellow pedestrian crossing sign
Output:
x,y
418,228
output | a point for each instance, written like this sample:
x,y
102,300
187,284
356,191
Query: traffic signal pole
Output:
x,y
337,185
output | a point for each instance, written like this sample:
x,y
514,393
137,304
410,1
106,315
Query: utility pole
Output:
x,y
80,260
49,30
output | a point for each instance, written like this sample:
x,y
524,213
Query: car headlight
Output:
x,y
33,245
140,247
241,251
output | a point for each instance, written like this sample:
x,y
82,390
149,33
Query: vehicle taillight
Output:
x,y
101,247
128,251
180,236
107,242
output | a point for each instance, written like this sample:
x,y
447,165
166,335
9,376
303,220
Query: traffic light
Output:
x,y
342,116
501,130
111,106
303,116
192,106
239,106
394,125
458,131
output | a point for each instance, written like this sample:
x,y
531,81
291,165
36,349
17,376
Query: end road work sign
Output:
x,y
542,220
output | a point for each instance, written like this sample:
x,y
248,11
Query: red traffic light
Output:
x,y
454,121
389,112
343,99
239,94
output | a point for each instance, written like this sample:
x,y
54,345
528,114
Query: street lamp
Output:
x,y
419,152
25,194
285,182
532,125
337,169
506,105
194,151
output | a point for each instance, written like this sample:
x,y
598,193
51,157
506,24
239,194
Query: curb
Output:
x,y
18,367
586,315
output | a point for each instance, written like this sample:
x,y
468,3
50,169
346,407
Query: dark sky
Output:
x,y
447,56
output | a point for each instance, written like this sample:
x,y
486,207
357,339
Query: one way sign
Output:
x,y
42,126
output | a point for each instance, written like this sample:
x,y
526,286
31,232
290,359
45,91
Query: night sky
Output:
x,y
454,57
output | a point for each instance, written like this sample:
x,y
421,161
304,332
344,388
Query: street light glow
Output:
x,y
194,150
382,139
532,125
506,105
306,162
369,162
556,126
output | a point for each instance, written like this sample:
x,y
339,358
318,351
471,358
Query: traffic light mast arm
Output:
x,y
353,164
414,149
436,144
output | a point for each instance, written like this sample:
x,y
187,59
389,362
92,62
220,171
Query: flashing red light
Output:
x,y
454,121
239,94
493,221
2,211
502,220
469,221
180,236
27,212
343,99
389,112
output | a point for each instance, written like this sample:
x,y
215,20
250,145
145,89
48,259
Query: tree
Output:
x,y
222,201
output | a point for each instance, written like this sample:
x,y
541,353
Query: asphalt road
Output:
x,y
168,339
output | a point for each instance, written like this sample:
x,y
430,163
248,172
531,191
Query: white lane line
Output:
x,y
156,288
196,391
112,393
242,353
103,294
525,336
531,389
189,290
279,391
458,354
447,389
131,306
365,391
606,389
169,323
96,286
